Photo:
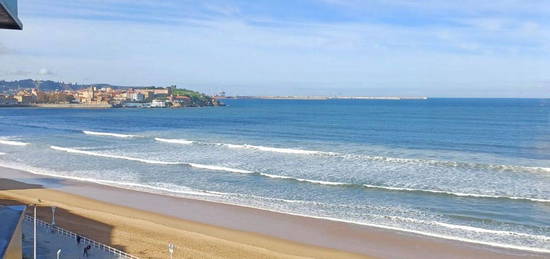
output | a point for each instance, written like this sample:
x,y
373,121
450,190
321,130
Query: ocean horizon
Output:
x,y
475,170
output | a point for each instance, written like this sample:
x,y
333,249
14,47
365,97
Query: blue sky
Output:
x,y
464,48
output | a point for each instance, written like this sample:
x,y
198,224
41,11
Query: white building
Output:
x,y
158,104
136,97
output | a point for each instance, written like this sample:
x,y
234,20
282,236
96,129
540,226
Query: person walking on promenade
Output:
x,y
78,240
86,250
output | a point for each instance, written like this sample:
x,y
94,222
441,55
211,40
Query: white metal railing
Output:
x,y
84,239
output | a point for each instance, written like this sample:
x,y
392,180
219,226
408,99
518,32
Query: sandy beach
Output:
x,y
144,223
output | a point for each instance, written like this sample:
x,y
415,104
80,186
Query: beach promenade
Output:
x,y
49,242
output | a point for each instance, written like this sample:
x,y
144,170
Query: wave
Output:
x,y
465,165
389,188
220,168
440,163
277,150
158,189
166,190
90,153
148,161
246,146
12,142
109,134
119,184
303,180
458,194
2,154
290,178
175,141
538,238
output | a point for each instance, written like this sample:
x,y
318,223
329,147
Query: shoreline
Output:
x,y
324,98
92,106
58,106
334,234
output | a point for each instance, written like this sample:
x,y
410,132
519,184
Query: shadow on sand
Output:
x,y
81,225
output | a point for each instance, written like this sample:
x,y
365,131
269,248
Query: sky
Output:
x,y
435,48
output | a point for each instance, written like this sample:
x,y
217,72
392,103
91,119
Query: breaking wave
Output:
x,y
160,188
304,180
175,141
440,163
464,165
458,194
108,134
90,153
12,142
296,179
246,146
277,150
167,189
389,188
219,168
148,161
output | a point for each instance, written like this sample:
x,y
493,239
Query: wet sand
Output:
x,y
144,223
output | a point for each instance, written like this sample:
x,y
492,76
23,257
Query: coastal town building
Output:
x,y
154,97
158,104
136,97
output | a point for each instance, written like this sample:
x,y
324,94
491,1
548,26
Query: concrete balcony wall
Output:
x,y
8,15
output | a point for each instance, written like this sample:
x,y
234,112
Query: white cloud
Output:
x,y
45,72
232,49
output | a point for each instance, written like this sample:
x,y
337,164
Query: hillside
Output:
x,y
45,85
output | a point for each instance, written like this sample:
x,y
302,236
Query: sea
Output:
x,y
475,170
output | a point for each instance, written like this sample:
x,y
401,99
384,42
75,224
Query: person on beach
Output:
x,y
86,250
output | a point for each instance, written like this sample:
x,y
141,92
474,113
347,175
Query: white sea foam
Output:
x,y
437,235
301,179
90,153
421,232
2,154
108,134
473,195
162,189
142,187
415,161
454,193
441,163
277,150
125,185
175,141
220,168
246,146
403,189
329,183
12,142
147,161
503,233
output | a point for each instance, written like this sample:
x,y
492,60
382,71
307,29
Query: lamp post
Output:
x,y
171,248
34,235
53,215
